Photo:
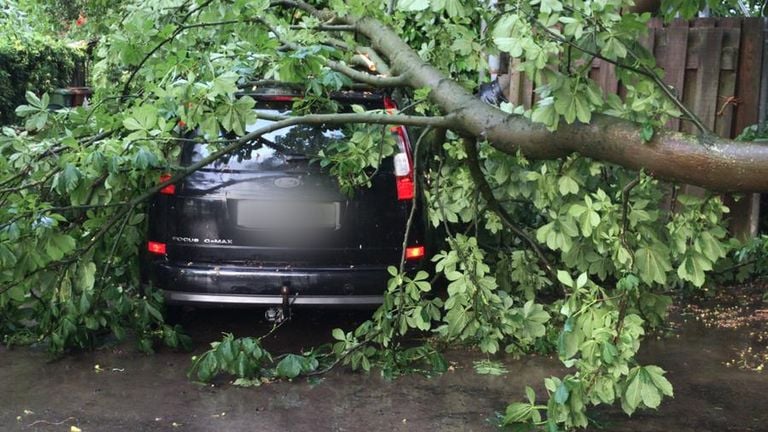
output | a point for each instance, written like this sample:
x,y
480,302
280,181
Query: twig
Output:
x,y
366,78
115,243
625,213
469,269
415,202
381,65
46,422
328,28
493,204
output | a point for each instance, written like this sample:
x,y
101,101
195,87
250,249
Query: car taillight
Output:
x,y
403,160
414,252
170,189
277,98
156,248
405,188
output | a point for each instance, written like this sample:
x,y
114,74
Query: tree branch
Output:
x,y
625,214
415,202
493,204
723,165
382,67
366,78
325,27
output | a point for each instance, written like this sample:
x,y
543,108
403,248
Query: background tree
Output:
x,y
555,235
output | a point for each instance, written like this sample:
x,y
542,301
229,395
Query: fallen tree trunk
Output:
x,y
713,163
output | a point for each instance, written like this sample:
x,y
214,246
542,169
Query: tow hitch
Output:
x,y
283,313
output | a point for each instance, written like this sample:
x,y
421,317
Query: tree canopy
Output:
x,y
557,237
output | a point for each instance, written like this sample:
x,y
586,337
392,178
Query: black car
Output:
x,y
267,226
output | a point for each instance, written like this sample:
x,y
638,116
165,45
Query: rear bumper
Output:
x,y
243,285
178,297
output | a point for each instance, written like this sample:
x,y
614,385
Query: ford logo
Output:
x,y
287,182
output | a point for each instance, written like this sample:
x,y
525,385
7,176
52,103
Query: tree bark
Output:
x,y
713,163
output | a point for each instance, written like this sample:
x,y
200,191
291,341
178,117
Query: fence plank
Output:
x,y
529,97
729,59
707,74
704,22
515,82
606,77
671,49
750,66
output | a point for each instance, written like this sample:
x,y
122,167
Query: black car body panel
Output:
x,y
254,225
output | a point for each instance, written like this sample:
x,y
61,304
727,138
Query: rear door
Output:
x,y
269,204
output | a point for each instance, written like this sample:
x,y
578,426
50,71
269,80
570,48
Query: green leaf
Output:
x,y
565,278
646,385
549,6
33,99
338,334
567,185
490,367
569,340
58,245
234,116
7,257
530,394
656,374
26,110
86,273
694,268
247,382
224,85
545,114
646,133
650,395
561,394
653,263
710,246
36,121
412,5
131,123
143,118
633,395
517,413
290,367
453,8
70,178
144,159
534,317
613,49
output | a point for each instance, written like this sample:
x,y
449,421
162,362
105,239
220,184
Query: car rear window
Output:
x,y
276,150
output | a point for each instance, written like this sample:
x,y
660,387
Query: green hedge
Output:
x,y
39,64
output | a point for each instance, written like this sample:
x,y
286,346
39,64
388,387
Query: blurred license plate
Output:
x,y
279,214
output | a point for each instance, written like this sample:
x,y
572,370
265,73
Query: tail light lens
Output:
x,y
156,248
404,181
414,253
171,188
278,98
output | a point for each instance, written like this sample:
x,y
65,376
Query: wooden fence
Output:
x,y
714,66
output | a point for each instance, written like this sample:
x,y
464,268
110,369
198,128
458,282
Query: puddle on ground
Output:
x,y
130,391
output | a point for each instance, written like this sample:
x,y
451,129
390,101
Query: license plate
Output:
x,y
288,214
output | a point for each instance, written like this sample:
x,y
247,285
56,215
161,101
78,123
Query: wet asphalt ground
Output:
x,y
130,391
